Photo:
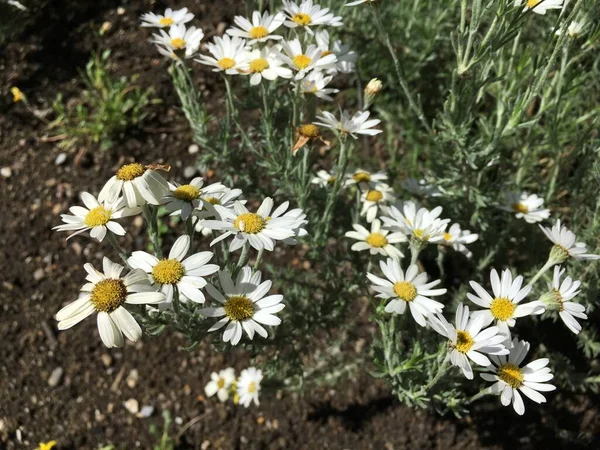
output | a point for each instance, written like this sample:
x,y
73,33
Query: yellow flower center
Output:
x,y
168,271
239,308
309,130
17,94
520,208
511,374
331,180
252,387
326,53
533,3
212,200
258,32
107,295
186,192
464,341
302,19
377,240
249,223
420,234
130,171
502,308
166,21
97,216
405,290
47,445
302,61
177,43
374,195
226,63
221,383
361,177
258,65
447,237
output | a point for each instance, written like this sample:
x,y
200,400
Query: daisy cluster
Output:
x,y
240,299
244,389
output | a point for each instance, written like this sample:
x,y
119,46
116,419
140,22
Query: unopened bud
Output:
x,y
371,91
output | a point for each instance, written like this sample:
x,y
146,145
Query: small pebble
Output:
x,y
193,149
55,377
132,378
146,411
60,159
39,274
132,406
6,172
120,10
106,359
189,172
205,445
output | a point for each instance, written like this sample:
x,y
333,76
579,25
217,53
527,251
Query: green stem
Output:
x,y
477,396
244,258
120,250
150,217
544,268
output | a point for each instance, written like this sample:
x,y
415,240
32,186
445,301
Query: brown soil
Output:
x,y
41,272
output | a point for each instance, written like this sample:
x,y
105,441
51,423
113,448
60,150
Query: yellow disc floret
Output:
x,y
166,21
377,240
249,223
107,295
405,290
361,177
520,208
502,308
187,193
177,43
533,3
212,200
511,374
131,171
252,387
447,237
302,19
258,32
374,195
239,308
168,271
302,61
226,63
464,341
259,65
97,216
309,130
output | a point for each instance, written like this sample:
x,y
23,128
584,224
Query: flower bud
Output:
x,y
371,91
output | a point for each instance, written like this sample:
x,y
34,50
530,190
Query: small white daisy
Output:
x,y
467,340
139,185
220,384
177,271
169,18
307,15
106,293
260,29
316,84
182,199
574,29
557,299
456,238
304,61
565,245
409,289
364,178
229,54
377,241
539,6
504,307
420,224
420,188
375,198
324,179
510,378
528,207
243,305
297,220
265,63
357,124
179,40
346,58
248,386
259,229
96,217
225,198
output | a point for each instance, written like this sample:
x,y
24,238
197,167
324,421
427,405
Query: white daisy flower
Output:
x,y
265,63
260,29
308,15
324,179
106,293
539,6
139,185
357,124
422,225
510,378
178,40
169,18
565,245
574,29
557,299
220,384
259,229
225,198
420,188
244,306
297,220
504,307
248,386
182,199
467,340
409,289
456,238
377,241
528,207
229,54
96,216
177,271
304,61
346,58
364,178
316,84
375,198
